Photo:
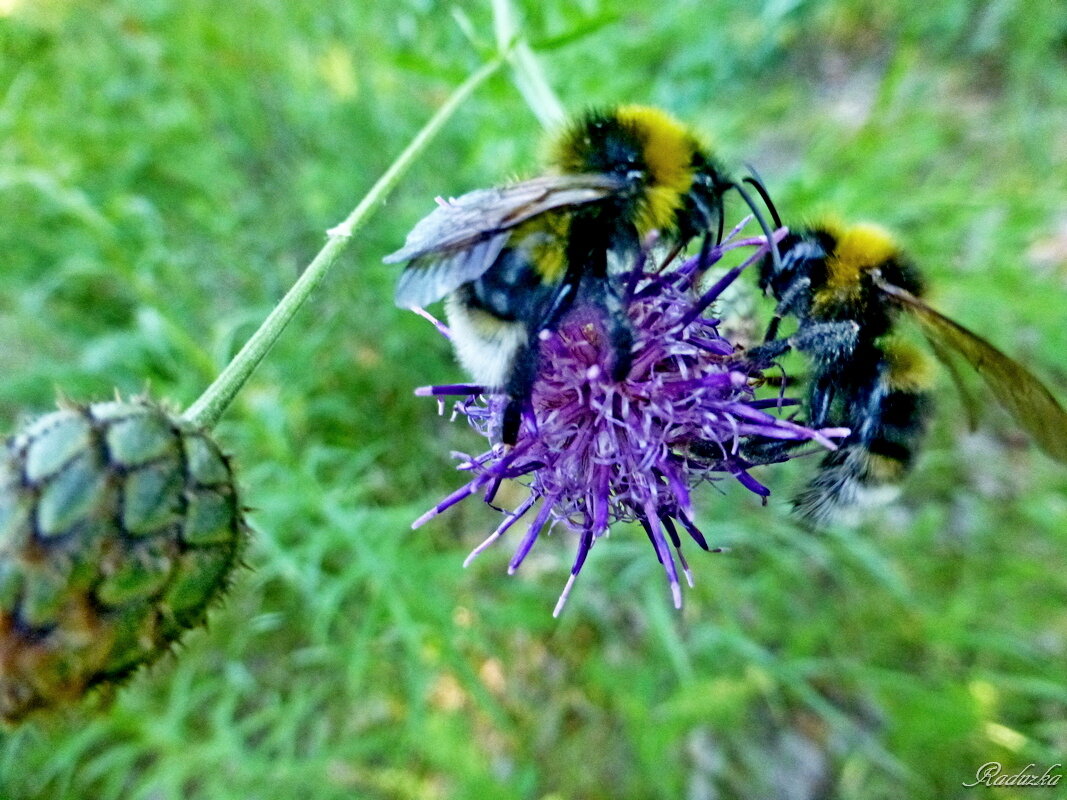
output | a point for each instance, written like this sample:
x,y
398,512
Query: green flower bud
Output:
x,y
119,525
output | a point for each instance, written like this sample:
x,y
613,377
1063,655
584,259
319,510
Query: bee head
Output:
x,y
802,253
653,155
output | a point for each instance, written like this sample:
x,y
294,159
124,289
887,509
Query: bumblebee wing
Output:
x,y
462,221
971,404
430,277
1016,388
459,240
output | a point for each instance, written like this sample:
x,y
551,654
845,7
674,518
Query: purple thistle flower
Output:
x,y
595,451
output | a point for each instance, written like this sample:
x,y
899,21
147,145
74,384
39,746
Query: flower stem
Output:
x,y
210,406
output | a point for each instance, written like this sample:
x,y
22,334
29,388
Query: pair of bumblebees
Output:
x,y
511,261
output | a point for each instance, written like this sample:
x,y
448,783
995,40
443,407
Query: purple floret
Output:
x,y
594,451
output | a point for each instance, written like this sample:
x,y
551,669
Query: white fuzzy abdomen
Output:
x,y
485,345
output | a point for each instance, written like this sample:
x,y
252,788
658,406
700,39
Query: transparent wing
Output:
x,y
430,277
461,238
1016,388
458,240
972,406
462,221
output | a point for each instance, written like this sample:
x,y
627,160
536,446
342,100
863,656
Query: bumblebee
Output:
x,y
513,260
847,286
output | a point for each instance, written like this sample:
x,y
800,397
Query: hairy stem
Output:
x,y
209,407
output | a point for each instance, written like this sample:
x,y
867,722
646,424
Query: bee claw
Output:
x,y
509,429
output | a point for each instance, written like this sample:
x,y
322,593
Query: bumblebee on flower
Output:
x,y
595,450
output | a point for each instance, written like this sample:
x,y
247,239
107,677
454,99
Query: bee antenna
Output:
x,y
756,182
762,220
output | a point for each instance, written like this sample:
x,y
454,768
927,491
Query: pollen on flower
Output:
x,y
593,451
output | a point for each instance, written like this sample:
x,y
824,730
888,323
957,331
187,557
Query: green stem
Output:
x,y
207,409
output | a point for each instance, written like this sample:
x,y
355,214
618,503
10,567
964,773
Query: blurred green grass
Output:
x,y
166,169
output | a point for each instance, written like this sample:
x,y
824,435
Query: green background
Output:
x,y
166,170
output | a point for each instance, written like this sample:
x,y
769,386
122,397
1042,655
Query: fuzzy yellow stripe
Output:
x,y
668,154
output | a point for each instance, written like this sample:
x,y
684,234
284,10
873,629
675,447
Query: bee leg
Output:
x,y
518,388
820,399
757,451
520,382
620,333
764,354
622,342
762,450
509,431
827,342
790,297
612,300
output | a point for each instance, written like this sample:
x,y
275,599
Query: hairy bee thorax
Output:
x,y
841,264
657,155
